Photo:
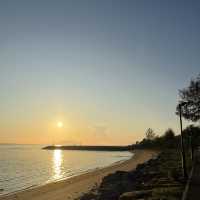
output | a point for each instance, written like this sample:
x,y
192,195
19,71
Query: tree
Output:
x,y
191,97
169,138
169,134
150,135
193,132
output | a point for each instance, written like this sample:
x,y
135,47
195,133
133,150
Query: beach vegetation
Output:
x,y
150,134
170,140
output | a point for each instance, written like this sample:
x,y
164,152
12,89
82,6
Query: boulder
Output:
x,y
119,182
89,196
135,195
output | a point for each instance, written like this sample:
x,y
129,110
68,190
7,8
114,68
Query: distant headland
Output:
x,y
89,148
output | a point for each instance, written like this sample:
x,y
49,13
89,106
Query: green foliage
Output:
x,y
169,140
150,135
190,96
192,134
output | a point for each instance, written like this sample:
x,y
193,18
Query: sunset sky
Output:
x,y
107,70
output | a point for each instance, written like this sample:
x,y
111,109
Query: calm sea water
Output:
x,y
24,166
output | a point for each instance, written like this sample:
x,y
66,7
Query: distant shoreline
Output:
x,y
89,148
74,187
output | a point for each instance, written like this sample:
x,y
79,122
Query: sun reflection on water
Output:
x,y
57,164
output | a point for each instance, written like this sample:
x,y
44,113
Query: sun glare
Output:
x,y
59,124
57,164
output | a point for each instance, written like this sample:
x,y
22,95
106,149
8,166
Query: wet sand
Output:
x,y
74,187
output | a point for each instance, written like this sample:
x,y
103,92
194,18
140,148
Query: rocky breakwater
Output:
x,y
159,178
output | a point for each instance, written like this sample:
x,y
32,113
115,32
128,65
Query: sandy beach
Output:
x,y
74,187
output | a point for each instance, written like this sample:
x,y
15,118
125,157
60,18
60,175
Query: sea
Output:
x,y
27,166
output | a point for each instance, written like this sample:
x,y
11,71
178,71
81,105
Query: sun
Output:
x,y
59,124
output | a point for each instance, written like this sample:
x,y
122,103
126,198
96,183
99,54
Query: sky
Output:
x,y
108,70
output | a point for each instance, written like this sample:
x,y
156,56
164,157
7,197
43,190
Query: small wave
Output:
x,y
3,192
35,168
6,180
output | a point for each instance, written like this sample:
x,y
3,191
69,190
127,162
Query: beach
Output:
x,y
74,187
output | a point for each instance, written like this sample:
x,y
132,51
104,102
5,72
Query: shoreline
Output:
x,y
75,186
67,178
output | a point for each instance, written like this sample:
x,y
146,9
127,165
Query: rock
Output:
x,y
154,178
119,182
128,196
88,196
1,189
114,190
140,166
135,195
111,195
118,175
167,193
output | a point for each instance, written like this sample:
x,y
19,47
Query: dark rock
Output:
x,y
118,175
135,195
120,181
88,196
109,195
161,172
140,167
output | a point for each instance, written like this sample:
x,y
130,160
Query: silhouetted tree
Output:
x,y
191,95
168,138
193,132
150,135
169,134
